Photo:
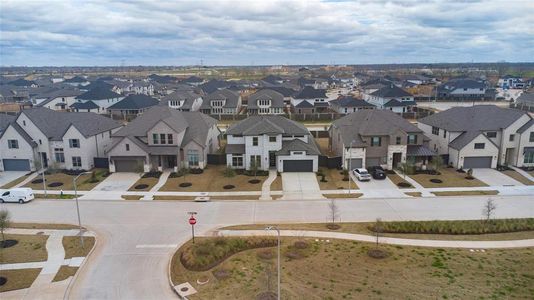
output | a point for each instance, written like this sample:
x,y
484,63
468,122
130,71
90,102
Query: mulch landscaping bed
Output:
x,y
55,184
36,181
404,185
228,187
141,186
185,184
8,243
435,180
254,181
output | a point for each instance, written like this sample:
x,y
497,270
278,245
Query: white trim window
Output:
x,y
76,162
59,155
12,144
74,143
193,158
237,161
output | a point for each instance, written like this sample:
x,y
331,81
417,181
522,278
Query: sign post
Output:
x,y
192,222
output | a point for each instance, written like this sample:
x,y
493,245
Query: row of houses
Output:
x,y
483,136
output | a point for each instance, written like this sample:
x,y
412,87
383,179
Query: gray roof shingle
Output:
x,y
98,93
231,98
298,145
135,101
277,99
267,124
391,91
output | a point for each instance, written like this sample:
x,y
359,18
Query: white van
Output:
x,y
20,195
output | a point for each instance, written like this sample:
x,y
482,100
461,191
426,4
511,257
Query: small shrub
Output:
x,y
229,172
377,253
469,177
265,254
254,181
301,244
228,187
141,186
152,174
36,181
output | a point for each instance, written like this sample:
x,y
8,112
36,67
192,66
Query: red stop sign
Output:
x,y
192,220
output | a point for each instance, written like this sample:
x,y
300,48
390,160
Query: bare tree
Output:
x,y
5,222
334,210
378,229
489,209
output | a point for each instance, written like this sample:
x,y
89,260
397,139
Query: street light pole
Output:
x,y
350,162
278,232
43,173
77,205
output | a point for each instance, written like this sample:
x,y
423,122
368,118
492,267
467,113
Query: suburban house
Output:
x,y
511,82
393,98
88,106
266,102
101,96
143,87
370,138
193,80
183,100
164,138
64,140
132,105
76,81
481,136
463,89
305,100
271,142
348,104
60,99
525,101
221,102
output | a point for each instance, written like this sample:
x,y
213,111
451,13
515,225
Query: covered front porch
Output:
x,y
420,156
165,162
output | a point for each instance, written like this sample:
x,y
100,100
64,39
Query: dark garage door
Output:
x,y
131,165
354,163
298,165
477,162
16,165
372,162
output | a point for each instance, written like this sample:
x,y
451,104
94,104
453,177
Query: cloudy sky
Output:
x,y
156,32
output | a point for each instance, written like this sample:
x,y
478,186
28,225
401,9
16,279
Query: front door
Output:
x,y
272,159
509,157
171,161
396,159
45,159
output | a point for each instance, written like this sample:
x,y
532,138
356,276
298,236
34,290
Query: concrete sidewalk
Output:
x,y
385,240
524,173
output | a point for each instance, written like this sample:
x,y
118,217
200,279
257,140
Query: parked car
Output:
x,y
377,172
362,174
20,195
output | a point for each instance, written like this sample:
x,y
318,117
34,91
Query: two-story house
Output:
x,y
349,104
459,89
369,138
65,140
164,138
266,102
60,99
183,100
99,96
311,96
221,102
393,98
271,142
481,136
132,105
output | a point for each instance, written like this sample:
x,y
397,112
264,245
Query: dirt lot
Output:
x,y
450,178
213,180
343,270
323,146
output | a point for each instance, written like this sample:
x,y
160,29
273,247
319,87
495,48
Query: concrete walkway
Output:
x,y
161,182
27,180
524,173
266,187
385,240
418,188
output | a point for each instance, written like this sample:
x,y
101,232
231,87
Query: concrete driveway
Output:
x,y
378,188
300,185
494,178
117,182
8,176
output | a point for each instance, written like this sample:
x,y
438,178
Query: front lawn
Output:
x,y
65,272
466,193
449,177
144,184
334,180
18,279
30,248
73,247
339,269
515,175
62,181
213,179
396,179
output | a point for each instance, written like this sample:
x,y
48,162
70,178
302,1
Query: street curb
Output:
x,y
75,277
169,264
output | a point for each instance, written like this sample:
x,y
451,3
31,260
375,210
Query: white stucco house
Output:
x,y
271,142
64,140
481,136
164,138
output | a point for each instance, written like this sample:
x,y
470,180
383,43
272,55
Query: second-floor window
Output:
x,y
74,143
480,145
255,141
13,144
491,134
155,138
435,130
412,139
531,137
376,141
272,139
398,140
512,136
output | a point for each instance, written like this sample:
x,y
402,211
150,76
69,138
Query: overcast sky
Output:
x,y
156,32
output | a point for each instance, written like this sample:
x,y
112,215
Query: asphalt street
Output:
x,y
136,239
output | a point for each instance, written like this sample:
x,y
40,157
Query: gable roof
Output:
x,y
231,97
309,92
298,145
285,91
267,124
348,101
304,104
465,138
22,82
527,125
186,95
84,105
98,93
396,103
192,79
478,117
87,123
135,101
526,98
391,91
195,124
213,85
51,95
5,120
462,83
277,99
371,122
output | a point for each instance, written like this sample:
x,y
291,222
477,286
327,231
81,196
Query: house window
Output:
x,y
155,138
24,122
512,136
491,134
76,161
412,139
163,139
272,139
444,133
40,142
13,144
531,137
74,143
480,145
376,141
529,157
255,141
398,140
435,130
255,159
59,155
169,139
127,147
192,158
237,161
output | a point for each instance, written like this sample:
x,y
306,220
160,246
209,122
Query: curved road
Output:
x,y
137,238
